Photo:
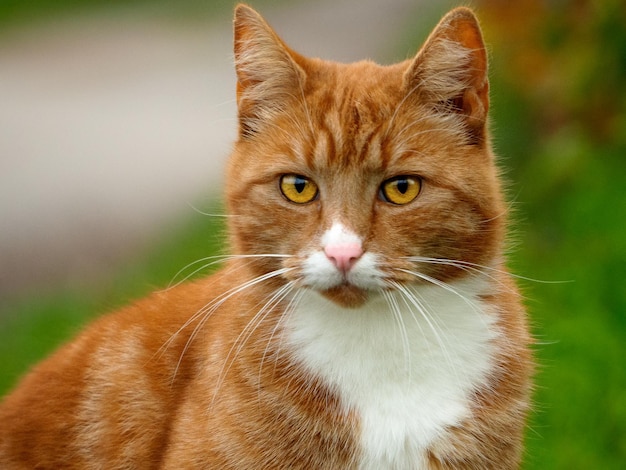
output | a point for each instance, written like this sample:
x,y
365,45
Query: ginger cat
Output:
x,y
366,318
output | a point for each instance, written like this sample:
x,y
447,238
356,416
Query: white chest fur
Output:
x,y
406,366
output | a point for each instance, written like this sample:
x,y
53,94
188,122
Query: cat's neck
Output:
x,y
407,363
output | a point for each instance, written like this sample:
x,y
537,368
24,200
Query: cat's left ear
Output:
x,y
450,71
267,73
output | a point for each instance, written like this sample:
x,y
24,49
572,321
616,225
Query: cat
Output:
x,y
366,318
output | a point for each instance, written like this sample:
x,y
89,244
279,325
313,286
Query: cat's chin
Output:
x,y
347,295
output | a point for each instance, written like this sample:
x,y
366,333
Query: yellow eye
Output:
x,y
298,189
401,189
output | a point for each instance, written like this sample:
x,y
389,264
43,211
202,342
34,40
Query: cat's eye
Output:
x,y
401,190
298,189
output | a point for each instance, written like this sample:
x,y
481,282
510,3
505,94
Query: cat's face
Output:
x,y
360,178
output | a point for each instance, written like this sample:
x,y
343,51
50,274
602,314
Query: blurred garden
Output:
x,y
558,80
559,113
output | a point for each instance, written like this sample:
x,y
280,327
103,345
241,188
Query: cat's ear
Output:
x,y
267,74
450,71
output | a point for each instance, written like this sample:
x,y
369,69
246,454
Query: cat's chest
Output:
x,y
407,367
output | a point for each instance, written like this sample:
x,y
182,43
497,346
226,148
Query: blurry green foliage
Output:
x,y
559,112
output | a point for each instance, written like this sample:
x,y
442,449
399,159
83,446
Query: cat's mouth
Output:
x,y
347,295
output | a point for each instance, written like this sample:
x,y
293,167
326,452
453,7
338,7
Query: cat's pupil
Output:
x,y
402,186
299,184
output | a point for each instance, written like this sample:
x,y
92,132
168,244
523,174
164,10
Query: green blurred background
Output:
x,y
559,124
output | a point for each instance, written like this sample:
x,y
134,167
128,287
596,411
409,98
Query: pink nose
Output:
x,y
344,255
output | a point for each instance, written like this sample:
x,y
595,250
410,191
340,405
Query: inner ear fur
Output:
x,y
451,70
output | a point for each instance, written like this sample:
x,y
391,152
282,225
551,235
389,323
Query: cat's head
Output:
x,y
363,177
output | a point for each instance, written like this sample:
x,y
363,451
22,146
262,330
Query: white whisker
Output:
x,y
397,313
216,260
208,214
278,298
213,260
413,302
477,268
254,322
440,284
443,285
205,313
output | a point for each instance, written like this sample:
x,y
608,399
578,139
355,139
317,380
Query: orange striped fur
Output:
x,y
356,325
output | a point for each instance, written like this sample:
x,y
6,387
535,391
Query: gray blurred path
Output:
x,y
110,126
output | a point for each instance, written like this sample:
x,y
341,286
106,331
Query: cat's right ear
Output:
x,y
450,71
267,73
